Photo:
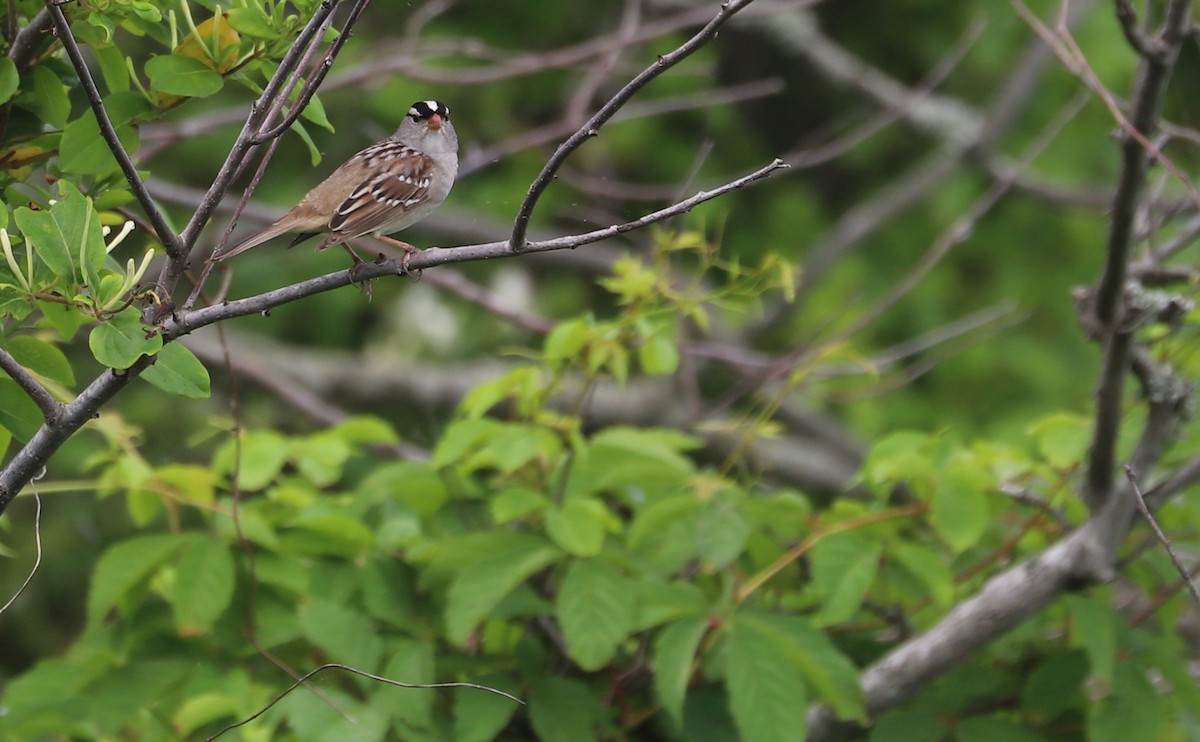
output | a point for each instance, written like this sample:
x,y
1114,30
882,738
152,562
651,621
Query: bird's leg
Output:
x,y
364,286
408,249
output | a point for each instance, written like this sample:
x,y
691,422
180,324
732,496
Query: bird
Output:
x,y
385,188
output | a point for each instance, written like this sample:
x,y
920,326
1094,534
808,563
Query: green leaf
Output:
x,y
411,662
68,237
578,526
566,340
515,503
253,22
204,582
50,100
365,429
263,454
658,355
721,533
178,371
595,610
84,152
766,695
674,654
928,566
904,725
112,67
480,716
10,79
42,358
1062,439
661,602
994,729
960,508
477,589
1093,627
64,318
121,341
460,438
19,414
1132,710
563,711
829,672
206,708
320,458
330,533
643,458
900,456
125,564
346,635
844,566
175,74
1054,686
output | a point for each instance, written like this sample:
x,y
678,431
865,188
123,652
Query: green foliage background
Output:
x,y
624,581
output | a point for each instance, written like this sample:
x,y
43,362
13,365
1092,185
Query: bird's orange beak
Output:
x,y
435,122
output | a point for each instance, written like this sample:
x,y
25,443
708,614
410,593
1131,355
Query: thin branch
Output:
x,y
377,678
174,246
37,539
49,406
517,242
1140,501
1153,75
1141,43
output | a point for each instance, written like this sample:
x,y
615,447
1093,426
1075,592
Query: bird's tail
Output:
x,y
253,240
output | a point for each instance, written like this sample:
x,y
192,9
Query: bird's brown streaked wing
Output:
x,y
384,198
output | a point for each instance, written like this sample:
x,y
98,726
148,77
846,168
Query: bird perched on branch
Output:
x,y
387,187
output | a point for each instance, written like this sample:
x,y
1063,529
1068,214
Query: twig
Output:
x,y
1137,39
174,246
1147,106
37,539
517,241
50,406
377,678
1140,501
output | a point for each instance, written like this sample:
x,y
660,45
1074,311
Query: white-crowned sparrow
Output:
x,y
388,186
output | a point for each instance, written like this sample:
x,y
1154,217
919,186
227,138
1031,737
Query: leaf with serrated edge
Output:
x,y
674,654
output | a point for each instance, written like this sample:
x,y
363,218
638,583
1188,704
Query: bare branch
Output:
x,y
49,406
1140,501
356,671
1147,104
517,242
174,246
